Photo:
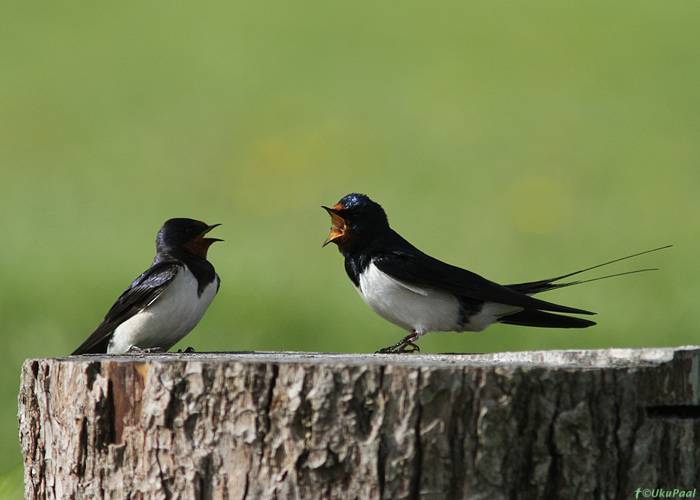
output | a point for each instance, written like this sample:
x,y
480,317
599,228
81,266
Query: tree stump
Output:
x,y
265,425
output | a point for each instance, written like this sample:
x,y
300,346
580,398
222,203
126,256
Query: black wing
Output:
x,y
415,267
140,293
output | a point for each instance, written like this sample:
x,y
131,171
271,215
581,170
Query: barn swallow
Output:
x,y
422,294
167,301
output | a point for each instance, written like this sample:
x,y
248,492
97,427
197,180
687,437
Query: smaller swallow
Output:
x,y
422,294
167,301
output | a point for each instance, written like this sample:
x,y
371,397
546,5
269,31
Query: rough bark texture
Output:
x,y
528,425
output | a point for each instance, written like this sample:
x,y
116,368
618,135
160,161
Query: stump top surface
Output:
x,y
570,359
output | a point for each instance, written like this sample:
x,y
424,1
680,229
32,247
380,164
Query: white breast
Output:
x,y
413,308
166,320
423,309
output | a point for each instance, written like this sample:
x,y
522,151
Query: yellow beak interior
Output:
x,y
338,226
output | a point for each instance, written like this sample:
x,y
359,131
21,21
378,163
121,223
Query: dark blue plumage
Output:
x,y
166,301
422,294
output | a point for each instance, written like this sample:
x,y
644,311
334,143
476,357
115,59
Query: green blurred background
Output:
x,y
519,140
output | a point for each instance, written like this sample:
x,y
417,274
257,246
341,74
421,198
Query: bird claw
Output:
x,y
186,351
401,346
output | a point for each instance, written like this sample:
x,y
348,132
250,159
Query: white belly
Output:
x,y
167,319
410,307
423,309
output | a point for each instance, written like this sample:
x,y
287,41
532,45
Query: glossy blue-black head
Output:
x,y
355,217
179,235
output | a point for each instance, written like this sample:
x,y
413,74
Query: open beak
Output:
x,y
200,244
338,226
209,228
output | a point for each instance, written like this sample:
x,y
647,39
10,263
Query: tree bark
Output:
x,y
527,425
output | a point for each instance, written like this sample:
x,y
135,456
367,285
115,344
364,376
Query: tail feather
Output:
x,y
534,317
533,287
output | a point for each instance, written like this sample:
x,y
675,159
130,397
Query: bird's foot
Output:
x,y
186,351
405,345
144,350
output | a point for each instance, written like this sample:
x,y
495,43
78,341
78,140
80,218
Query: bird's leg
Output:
x,y
401,346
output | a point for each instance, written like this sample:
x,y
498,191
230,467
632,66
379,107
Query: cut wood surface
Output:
x,y
292,425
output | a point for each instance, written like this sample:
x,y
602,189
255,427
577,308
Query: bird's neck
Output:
x,y
202,269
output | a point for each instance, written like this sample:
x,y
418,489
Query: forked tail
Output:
x,y
533,287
